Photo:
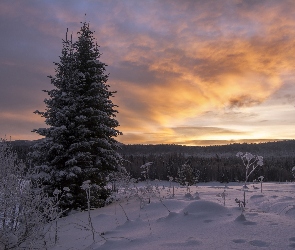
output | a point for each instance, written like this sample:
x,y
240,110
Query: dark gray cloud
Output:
x,y
243,101
135,73
21,87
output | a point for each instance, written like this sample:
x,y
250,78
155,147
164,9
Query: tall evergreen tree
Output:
x,y
79,142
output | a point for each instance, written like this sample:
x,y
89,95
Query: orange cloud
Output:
x,y
206,65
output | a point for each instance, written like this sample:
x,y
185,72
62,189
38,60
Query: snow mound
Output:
x,y
259,243
256,196
188,196
207,207
184,244
290,211
241,218
170,216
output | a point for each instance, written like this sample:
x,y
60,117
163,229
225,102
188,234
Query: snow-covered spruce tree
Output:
x,y
79,142
185,175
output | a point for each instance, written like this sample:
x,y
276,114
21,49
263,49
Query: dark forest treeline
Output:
x,y
279,148
215,168
212,163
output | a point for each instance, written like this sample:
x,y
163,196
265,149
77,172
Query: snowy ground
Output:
x,y
205,223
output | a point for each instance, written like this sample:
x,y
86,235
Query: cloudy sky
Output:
x,y
185,71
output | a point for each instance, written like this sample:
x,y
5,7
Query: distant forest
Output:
x,y
212,163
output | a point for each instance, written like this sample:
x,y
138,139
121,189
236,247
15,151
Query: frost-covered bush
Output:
x,y
126,187
260,179
86,186
223,195
145,192
251,162
25,210
122,185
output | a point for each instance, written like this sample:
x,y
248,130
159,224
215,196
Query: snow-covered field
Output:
x,y
196,221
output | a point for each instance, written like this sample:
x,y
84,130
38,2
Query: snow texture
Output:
x,y
205,223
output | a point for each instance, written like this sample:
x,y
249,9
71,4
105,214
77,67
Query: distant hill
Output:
x,y
279,148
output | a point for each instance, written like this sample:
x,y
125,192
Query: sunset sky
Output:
x,y
187,72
